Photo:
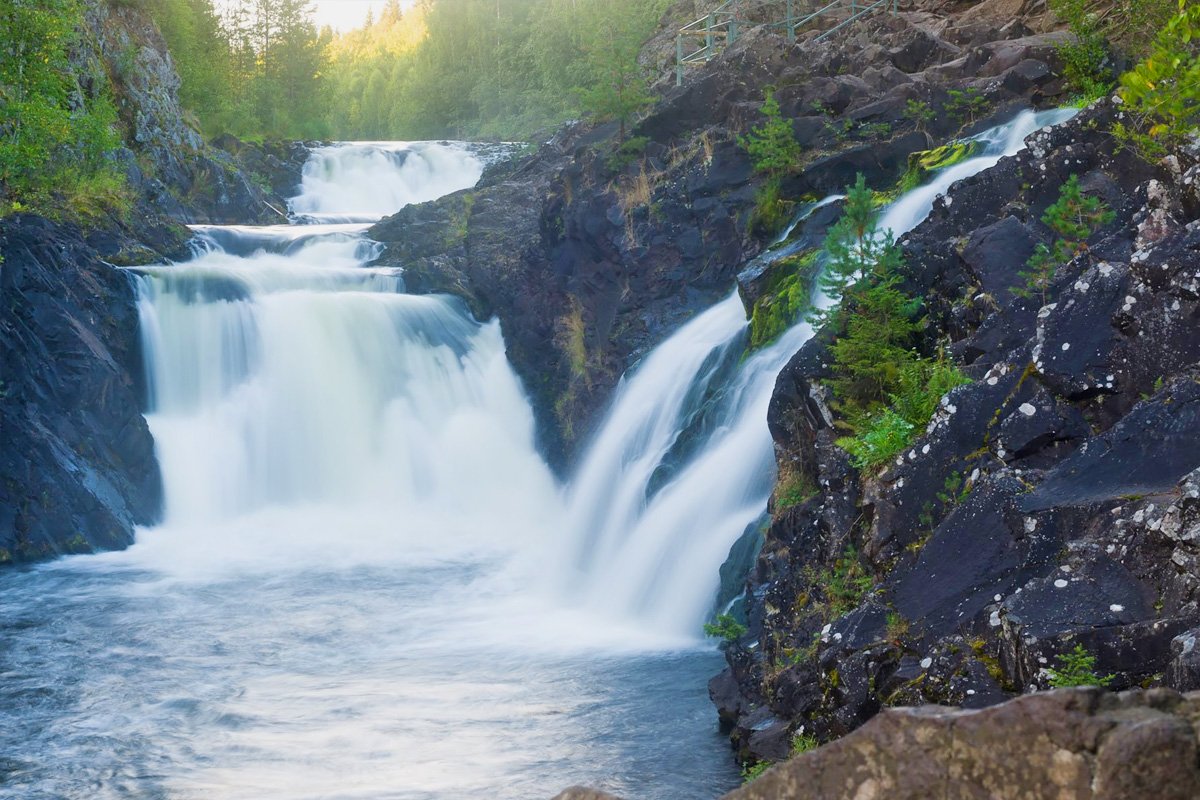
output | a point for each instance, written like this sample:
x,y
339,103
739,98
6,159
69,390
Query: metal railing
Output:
x,y
719,28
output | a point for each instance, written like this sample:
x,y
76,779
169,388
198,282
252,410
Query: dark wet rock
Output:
x,y
77,465
1051,503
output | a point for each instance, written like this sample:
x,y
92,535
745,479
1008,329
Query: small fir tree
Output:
x,y
1077,668
772,146
1075,217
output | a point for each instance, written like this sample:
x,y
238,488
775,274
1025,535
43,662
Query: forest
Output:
x,y
436,69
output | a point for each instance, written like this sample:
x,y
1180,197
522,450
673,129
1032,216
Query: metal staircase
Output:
x,y
719,28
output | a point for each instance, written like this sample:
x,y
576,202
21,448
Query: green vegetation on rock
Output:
x,y
788,297
56,140
725,627
1161,94
774,152
886,391
1077,667
1075,217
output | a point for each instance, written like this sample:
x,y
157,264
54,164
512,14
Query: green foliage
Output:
x,y
257,71
753,771
489,68
787,298
887,393
803,742
627,152
919,113
771,209
791,490
854,250
965,105
844,585
1077,668
1075,218
772,146
878,439
55,142
897,626
725,627
1085,59
1162,93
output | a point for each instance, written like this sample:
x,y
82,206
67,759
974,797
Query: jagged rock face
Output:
x,y
76,458
1050,502
1077,744
591,257
168,165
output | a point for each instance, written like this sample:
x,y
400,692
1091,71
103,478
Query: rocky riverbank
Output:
x,y
1078,744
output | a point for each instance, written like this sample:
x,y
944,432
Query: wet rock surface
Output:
x,y
77,465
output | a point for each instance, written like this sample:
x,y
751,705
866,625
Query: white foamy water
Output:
x,y
366,181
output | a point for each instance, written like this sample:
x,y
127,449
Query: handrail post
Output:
x,y
708,35
791,31
732,35
679,59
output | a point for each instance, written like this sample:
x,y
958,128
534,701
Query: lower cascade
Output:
x,y
367,582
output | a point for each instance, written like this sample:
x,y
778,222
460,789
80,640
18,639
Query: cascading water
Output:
x,y
366,181
343,599
653,551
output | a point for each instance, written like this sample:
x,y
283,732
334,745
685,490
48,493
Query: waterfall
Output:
x,y
296,392
366,181
652,549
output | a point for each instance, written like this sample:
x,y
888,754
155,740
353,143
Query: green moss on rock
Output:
x,y
788,295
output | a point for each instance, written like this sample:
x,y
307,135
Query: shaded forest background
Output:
x,y
436,69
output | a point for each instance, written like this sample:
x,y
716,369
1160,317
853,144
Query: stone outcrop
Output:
x,y
77,465
170,167
1051,501
591,252
1071,744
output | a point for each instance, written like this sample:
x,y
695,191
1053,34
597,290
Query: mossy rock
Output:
x,y
924,163
788,295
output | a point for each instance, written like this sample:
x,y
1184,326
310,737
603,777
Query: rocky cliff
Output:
x,y
1050,504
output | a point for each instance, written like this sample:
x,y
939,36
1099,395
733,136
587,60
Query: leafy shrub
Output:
x,y
879,438
1085,60
1162,93
54,144
1075,218
1077,668
726,627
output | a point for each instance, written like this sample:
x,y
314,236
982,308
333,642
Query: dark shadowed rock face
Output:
x,y
1051,503
76,458
1076,744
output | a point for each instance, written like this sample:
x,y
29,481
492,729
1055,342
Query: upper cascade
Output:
x,y
366,181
